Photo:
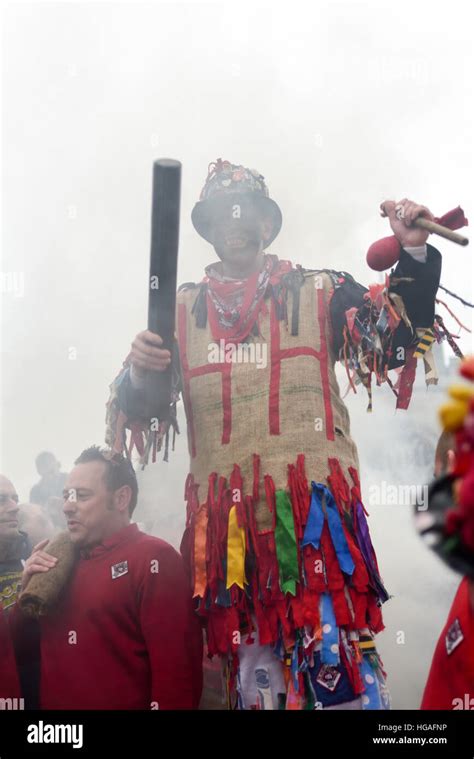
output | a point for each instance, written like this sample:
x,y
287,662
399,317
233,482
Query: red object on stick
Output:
x,y
385,253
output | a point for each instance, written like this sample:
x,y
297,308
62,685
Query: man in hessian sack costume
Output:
x,y
284,574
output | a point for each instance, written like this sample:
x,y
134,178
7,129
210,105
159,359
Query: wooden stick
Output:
x,y
438,229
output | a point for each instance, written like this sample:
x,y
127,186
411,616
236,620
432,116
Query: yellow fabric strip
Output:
x,y
235,551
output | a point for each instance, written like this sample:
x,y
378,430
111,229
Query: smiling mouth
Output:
x,y
234,241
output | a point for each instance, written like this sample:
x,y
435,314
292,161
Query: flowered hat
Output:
x,y
448,524
224,179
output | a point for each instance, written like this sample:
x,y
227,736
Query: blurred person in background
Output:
x,y
448,524
15,547
52,479
12,548
35,521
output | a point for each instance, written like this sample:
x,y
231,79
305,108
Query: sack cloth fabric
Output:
x,y
289,634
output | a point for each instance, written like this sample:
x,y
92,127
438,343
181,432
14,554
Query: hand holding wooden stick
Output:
x,y
429,225
411,224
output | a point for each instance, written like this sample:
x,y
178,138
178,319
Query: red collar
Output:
x,y
112,541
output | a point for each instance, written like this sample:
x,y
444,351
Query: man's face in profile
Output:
x,y
89,506
239,229
8,509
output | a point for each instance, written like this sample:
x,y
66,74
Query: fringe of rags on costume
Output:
x,y
277,537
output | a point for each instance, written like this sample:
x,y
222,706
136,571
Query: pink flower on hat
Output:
x,y
238,175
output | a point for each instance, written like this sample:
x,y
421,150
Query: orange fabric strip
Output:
x,y
200,532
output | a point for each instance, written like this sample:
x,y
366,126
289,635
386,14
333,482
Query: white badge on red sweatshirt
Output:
x,y
454,637
119,569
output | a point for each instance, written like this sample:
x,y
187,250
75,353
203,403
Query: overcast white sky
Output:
x,y
339,104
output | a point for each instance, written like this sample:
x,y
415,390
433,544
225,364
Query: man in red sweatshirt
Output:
x,y
122,635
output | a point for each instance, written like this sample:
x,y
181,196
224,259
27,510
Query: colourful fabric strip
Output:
x,y
367,550
200,532
315,524
285,540
406,380
330,645
371,697
235,552
294,668
424,344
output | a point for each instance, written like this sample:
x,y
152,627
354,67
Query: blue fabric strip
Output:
x,y
371,697
337,535
294,667
330,646
314,525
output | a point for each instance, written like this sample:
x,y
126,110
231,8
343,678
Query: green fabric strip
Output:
x,y
285,540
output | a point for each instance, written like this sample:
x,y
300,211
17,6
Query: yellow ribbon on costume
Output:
x,y
200,532
235,551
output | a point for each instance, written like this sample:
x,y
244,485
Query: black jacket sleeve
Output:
x,y
421,285
414,281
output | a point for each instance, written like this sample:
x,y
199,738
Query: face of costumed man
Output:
x,y
239,231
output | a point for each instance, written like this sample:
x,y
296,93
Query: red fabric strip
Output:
x,y
182,338
278,354
256,478
275,373
270,496
324,365
249,504
226,403
406,380
454,219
